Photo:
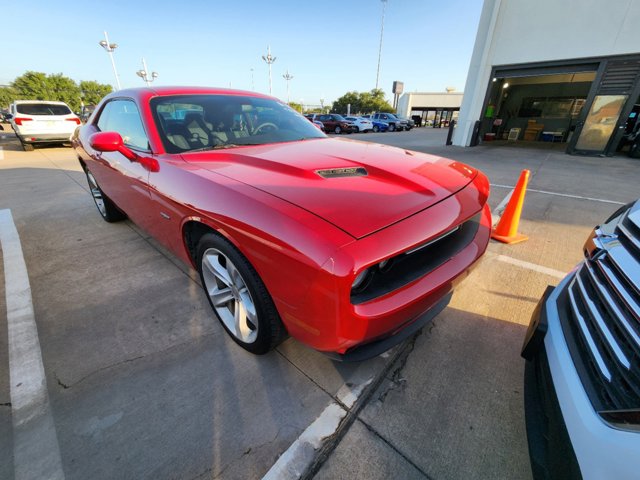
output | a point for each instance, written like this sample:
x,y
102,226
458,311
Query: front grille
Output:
x,y
600,316
416,263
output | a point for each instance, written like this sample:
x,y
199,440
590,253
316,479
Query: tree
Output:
x,y
92,92
296,106
40,86
7,95
364,102
31,86
63,89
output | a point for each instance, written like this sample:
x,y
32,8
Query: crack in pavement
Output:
x,y
129,360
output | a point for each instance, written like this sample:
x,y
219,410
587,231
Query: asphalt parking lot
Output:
x,y
142,381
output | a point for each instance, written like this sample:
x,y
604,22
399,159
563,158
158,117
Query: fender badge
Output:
x,y
343,172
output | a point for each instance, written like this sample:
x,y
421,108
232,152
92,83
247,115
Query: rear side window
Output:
x,y
42,109
122,116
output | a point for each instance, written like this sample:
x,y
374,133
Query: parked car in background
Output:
x,y
270,214
395,124
37,121
379,126
582,375
360,124
334,123
410,122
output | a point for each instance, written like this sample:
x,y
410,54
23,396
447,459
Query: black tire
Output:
x,y
355,129
376,128
269,331
27,147
634,150
107,209
392,127
337,130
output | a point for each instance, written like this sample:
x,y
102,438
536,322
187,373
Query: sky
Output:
x,y
330,47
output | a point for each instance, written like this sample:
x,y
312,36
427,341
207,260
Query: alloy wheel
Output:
x,y
229,295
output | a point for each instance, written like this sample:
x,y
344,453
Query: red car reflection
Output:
x,y
349,247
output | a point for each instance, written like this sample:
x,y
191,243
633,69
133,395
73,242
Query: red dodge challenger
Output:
x,y
349,247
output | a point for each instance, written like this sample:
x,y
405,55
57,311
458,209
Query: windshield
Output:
x,y
42,109
206,122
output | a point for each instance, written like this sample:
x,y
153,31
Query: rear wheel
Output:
x,y
392,127
237,295
106,207
338,130
376,128
355,129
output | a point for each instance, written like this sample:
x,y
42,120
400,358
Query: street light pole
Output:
x,y
384,6
253,85
287,76
269,59
144,74
110,47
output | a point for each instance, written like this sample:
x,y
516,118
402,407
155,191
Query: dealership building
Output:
x,y
433,109
554,71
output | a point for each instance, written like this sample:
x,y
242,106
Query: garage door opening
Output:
x,y
540,109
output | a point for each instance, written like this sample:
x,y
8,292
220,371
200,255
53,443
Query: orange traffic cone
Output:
x,y
507,229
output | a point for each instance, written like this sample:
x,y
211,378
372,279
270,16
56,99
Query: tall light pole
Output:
x,y
253,85
384,7
144,74
269,59
287,76
110,47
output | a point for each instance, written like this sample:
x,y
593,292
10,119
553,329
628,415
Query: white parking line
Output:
x,y
36,453
1,153
298,457
531,266
566,195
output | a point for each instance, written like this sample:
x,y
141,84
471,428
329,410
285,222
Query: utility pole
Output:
x,y
269,59
287,76
110,47
384,6
144,74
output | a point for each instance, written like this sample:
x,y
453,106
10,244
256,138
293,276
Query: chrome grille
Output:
x,y
601,320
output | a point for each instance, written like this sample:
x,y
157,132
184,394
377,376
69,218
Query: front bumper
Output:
x,y
567,438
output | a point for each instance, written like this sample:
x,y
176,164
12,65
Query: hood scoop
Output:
x,y
342,172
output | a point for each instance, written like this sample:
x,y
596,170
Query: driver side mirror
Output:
x,y
112,142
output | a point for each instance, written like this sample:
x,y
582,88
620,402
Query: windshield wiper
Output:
x,y
214,147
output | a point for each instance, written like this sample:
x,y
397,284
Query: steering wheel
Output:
x,y
266,126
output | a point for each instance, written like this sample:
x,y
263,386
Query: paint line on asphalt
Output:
x,y
36,451
566,195
299,456
1,153
295,460
531,266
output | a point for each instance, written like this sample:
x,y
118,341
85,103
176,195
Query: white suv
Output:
x,y
37,121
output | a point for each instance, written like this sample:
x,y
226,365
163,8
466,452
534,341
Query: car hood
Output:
x,y
357,186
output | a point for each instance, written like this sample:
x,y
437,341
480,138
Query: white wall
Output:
x,y
408,101
523,31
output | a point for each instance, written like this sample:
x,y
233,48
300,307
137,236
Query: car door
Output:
x,y
123,180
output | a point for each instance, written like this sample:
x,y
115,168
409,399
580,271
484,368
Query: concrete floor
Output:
x,y
144,383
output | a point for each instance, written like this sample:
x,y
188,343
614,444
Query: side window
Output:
x,y
122,116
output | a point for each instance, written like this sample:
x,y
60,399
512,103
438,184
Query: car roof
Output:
x,y
145,93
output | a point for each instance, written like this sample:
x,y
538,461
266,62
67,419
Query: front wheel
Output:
x,y
27,147
338,130
237,295
376,128
392,127
356,130
106,207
